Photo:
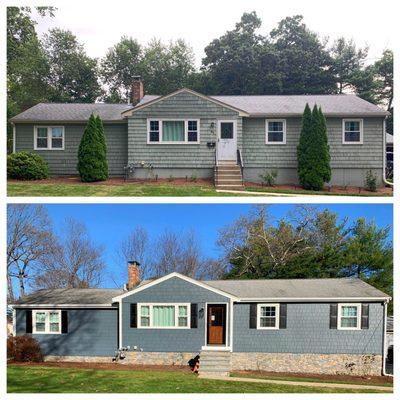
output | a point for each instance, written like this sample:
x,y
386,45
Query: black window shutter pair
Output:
x,y
333,317
64,321
282,316
193,315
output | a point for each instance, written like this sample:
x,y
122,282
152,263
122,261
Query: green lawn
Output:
x,y
26,379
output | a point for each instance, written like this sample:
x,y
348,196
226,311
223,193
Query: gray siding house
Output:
x,y
333,326
228,138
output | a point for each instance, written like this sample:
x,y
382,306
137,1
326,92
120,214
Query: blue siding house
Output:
x,y
332,326
230,139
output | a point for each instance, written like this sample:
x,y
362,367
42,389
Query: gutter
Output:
x,y
384,154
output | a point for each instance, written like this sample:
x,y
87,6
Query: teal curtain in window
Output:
x,y
173,131
163,316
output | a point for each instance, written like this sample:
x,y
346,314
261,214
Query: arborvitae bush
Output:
x,y
92,153
26,166
313,150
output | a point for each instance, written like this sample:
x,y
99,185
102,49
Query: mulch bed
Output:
x,y
318,377
104,366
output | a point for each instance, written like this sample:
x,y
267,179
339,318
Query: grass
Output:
x,y
26,379
306,379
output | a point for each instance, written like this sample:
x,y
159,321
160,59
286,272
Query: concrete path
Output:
x,y
298,383
244,192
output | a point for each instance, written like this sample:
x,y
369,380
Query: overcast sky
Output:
x,y
99,25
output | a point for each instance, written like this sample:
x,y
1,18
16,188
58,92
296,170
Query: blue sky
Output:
x,y
108,224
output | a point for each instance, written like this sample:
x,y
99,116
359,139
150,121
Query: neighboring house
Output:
x,y
187,134
332,326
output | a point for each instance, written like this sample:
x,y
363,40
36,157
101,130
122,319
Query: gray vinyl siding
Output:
x,y
308,332
63,162
174,290
259,154
91,332
181,106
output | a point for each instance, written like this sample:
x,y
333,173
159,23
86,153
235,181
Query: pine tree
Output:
x,y
92,161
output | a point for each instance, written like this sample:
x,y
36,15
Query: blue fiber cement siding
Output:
x,y
308,332
64,162
169,156
91,332
174,290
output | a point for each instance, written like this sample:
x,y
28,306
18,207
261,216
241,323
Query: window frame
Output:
x,y
49,137
160,127
277,312
151,305
339,317
47,322
267,121
361,121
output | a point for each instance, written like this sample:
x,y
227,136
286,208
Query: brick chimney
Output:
x,y
137,92
133,274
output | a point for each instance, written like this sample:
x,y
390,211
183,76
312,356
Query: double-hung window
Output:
x,y
49,138
275,131
164,316
267,316
173,131
46,321
352,131
349,316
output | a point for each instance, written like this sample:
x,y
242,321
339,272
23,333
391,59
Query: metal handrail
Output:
x,y
240,162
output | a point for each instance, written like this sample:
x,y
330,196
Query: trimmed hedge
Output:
x,y
26,166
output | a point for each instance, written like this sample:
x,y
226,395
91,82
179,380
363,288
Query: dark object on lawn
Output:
x,y
24,348
26,166
194,364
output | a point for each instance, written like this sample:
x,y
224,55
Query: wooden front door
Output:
x,y
216,324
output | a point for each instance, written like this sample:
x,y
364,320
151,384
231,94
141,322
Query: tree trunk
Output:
x,y
10,289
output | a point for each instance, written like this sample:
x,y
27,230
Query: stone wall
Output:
x,y
340,364
158,358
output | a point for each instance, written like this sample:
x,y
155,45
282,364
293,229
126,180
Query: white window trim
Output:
x,y
49,137
361,121
139,314
160,127
267,121
47,322
339,318
277,307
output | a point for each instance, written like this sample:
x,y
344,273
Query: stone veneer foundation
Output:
x,y
338,364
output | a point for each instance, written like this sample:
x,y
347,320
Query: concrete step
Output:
x,y
228,168
227,162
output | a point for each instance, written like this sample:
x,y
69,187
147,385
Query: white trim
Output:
x,y
62,306
128,113
151,305
277,310
49,137
356,328
267,121
47,322
217,347
174,275
310,299
361,121
231,325
14,146
160,130
120,324
14,311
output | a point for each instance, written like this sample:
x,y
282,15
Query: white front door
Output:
x,y
226,140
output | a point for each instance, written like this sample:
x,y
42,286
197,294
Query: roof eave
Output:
x,y
312,300
332,115
56,305
78,121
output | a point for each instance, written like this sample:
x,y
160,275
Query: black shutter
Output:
x,y
282,315
64,321
333,316
193,315
365,316
28,320
133,315
253,316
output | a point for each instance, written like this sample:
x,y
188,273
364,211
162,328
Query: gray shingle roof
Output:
x,y
71,296
290,105
73,112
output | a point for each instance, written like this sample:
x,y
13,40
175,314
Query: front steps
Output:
x,y
228,175
215,363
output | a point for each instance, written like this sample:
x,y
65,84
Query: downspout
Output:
x,y
384,339
120,324
14,137
231,326
14,322
384,153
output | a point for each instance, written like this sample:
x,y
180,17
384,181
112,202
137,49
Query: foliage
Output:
x,y
313,150
370,181
23,349
269,177
92,154
26,166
